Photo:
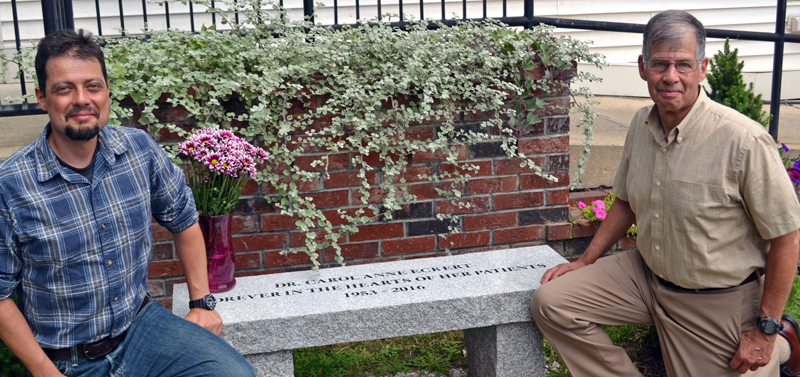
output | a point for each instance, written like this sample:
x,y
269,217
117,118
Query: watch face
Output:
x,y
769,326
210,301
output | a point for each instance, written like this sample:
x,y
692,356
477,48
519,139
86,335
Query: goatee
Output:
x,y
82,134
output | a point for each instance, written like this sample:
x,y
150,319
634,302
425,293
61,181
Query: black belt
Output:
x,y
677,288
94,350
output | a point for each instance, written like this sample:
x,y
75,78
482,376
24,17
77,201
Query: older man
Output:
x,y
75,210
718,225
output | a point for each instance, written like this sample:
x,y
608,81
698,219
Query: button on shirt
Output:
x,y
76,252
707,197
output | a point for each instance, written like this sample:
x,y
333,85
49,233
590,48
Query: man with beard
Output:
x,y
718,235
75,239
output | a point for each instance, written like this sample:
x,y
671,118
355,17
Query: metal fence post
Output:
x,y
777,69
57,15
308,10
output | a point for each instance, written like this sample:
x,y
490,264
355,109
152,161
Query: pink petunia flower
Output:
x,y
599,204
581,205
600,213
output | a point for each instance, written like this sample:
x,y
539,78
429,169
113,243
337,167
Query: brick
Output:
x,y
518,234
278,222
512,165
484,168
250,188
375,195
249,206
414,173
424,133
275,259
312,185
537,73
484,150
555,197
476,204
626,243
533,181
490,221
247,261
438,155
462,240
162,251
298,239
492,185
575,247
377,232
162,269
546,215
560,231
418,228
518,200
374,158
335,161
244,224
349,179
409,245
166,303
416,210
588,230
160,233
156,288
336,219
530,146
557,162
428,190
259,242
586,196
330,198
536,129
558,125
354,251
167,113
555,106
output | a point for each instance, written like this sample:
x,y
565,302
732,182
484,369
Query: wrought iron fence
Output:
x,y
58,14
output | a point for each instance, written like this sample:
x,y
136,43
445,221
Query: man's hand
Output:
x,y
209,319
755,351
562,269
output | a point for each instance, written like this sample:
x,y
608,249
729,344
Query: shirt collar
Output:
x,y
109,146
684,128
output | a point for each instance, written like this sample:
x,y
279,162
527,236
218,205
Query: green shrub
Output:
x,y
728,87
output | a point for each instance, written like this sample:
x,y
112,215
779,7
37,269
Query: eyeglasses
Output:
x,y
661,66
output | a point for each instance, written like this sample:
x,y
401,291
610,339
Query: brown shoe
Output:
x,y
791,368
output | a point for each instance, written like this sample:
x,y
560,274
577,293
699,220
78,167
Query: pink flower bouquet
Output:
x,y
220,165
598,210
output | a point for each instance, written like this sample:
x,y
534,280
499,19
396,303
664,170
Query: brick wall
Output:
x,y
511,206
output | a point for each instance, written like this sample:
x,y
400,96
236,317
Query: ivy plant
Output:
x,y
301,89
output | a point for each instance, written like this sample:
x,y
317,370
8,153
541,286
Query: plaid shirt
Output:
x,y
76,252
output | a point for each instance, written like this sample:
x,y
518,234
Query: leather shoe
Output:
x,y
791,368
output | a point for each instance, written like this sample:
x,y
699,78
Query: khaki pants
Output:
x,y
699,333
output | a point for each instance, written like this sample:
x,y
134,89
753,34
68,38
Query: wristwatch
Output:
x,y
769,325
208,302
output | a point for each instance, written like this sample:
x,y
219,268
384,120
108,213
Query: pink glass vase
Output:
x,y
219,252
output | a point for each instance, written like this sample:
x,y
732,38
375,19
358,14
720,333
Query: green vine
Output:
x,y
300,89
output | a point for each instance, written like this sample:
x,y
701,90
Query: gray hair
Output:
x,y
671,26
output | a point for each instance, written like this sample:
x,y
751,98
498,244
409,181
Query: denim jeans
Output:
x,y
159,343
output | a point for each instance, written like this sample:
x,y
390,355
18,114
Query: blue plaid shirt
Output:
x,y
76,252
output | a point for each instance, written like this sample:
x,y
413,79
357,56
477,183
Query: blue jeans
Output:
x,y
160,343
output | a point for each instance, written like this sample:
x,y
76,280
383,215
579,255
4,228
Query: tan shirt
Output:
x,y
708,198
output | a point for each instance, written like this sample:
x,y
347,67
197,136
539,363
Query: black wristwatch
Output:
x,y
208,302
769,325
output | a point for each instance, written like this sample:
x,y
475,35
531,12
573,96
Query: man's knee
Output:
x,y
544,299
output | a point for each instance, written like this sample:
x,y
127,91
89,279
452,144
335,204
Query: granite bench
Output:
x,y
486,294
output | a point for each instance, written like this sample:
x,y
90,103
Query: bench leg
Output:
x,y
512,350
273,364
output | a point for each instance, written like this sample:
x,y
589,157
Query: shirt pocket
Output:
x,y
696,207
